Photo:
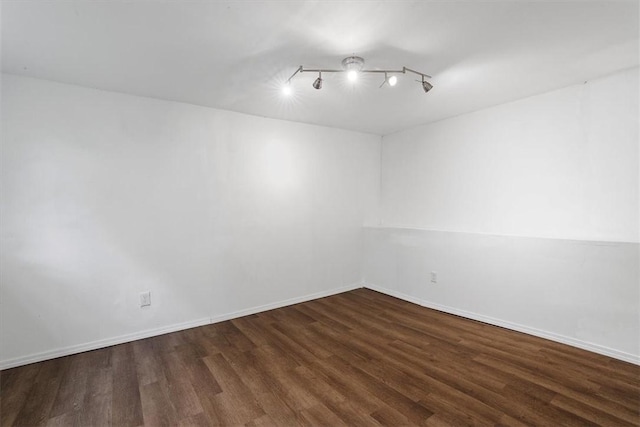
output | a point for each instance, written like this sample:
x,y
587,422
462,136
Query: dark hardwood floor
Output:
x,y
358,358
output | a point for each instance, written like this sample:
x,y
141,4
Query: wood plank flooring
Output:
x,y
355,359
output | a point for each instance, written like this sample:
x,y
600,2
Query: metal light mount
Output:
x,y
354,65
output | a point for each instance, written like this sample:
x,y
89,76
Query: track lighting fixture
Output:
x,y
353,66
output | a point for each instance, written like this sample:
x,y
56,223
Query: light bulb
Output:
x,y
393,80
286,89
352,75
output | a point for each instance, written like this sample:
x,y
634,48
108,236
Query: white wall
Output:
x,y
556,178
107,195
561,165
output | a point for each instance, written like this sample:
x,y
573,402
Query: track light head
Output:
x,y
318,83
391,81
426,85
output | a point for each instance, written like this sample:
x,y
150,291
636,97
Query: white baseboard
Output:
x,y
94,345
595,348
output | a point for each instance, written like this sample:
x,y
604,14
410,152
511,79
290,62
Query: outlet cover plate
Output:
x,y
145,299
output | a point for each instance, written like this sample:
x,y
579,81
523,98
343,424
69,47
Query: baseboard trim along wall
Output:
x,y
94,345
509,325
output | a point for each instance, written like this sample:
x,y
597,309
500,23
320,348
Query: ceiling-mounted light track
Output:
x,y
353,66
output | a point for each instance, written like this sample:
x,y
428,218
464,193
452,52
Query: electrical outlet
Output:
x,y
434,277
145,299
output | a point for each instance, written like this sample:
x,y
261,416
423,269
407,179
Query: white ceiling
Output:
x,y
235,55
